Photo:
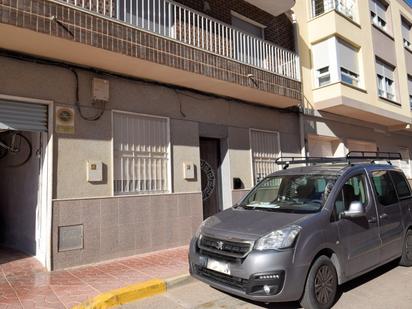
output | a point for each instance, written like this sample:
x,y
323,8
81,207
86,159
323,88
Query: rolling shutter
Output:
x,y
406,28
410,85
348,57
355,145
320,148
321,55
378,8
384,70
23,116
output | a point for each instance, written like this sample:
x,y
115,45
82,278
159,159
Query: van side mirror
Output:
x,y
356,210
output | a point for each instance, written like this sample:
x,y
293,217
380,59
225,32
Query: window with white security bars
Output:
x,y
141,154
265,150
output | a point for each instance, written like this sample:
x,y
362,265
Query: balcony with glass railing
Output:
x,y
344,7
177,22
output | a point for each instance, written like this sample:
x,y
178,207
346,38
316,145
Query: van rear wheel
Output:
x,y
406,259
321,285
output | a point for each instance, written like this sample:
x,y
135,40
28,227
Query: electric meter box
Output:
x,y
188,171
94,171
100,90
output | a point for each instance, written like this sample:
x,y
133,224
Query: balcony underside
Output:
x,y
348,107
114,46
274,7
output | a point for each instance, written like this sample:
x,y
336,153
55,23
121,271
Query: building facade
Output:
x,y
357,75
143,117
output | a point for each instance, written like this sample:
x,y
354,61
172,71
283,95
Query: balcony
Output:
x,y
182,24
164,33
343,99
329,21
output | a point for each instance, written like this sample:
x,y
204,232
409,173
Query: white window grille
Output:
x,y
141,154
385,79
265,147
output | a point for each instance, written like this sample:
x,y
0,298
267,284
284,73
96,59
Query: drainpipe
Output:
x,y
292,17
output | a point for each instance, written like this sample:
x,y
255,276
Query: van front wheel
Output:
x,y
321,285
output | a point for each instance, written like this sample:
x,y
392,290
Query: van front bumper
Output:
x,y
264,276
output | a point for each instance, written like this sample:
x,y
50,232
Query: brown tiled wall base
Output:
x,y
124,226
110,35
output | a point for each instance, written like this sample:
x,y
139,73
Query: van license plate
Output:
x,y
218,266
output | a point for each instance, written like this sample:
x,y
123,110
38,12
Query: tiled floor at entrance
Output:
x,y
24,283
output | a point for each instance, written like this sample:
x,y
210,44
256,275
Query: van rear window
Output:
x,y
384,188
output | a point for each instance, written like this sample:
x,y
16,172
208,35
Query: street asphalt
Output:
x,y
389,287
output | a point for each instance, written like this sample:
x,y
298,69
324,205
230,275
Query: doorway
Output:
x,y
210,176
25,174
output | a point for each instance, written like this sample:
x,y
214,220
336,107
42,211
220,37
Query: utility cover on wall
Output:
x,y
70,237
100,90
189,171
94,171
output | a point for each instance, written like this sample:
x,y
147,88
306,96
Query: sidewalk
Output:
x,y
24,283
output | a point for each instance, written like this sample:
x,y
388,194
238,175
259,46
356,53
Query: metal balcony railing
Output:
x,y
345,7
185,25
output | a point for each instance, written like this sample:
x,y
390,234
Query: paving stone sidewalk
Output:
x,y
24,283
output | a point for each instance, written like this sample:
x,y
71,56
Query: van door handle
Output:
x,y
372,220
383,216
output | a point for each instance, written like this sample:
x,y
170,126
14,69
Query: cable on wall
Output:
x,y
61,24
77,102
178,89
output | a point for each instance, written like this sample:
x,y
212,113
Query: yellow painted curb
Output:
x,y
125,295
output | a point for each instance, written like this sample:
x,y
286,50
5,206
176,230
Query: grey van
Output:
x,y
303,231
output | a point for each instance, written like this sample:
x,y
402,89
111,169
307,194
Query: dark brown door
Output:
x,y
209,165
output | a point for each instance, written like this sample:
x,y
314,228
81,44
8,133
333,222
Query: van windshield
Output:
x,y
290,193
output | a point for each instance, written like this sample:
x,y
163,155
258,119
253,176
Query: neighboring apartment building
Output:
x,y
145,116
356,61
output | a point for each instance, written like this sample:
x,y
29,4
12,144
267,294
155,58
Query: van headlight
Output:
x,y
280,239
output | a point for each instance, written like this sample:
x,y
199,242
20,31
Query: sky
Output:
x,y
409,2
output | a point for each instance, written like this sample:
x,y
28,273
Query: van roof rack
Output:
x,y
370,156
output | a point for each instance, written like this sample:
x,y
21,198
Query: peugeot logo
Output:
x,y
219,245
